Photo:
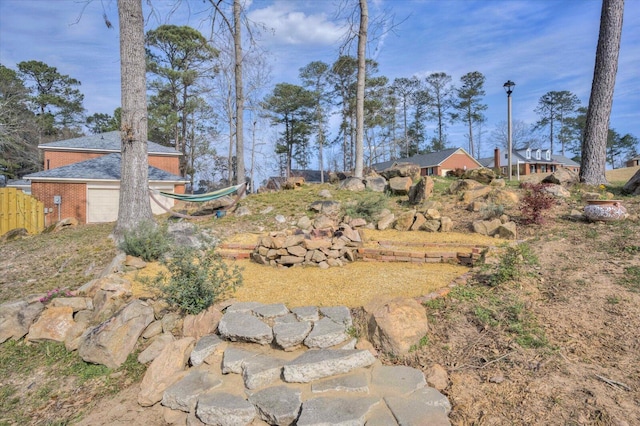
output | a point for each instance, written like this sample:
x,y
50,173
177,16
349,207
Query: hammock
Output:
x,y
201,198
211,196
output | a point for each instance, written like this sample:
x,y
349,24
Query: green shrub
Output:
x,y
148,241
512,263
196,279
368,208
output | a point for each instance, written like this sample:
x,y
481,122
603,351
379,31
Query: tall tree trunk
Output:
x,y
237,43
362,44
134,205
594,152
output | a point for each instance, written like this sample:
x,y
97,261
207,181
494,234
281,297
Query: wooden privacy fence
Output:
x,y
19,210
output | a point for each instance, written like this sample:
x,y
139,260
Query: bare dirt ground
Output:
x,y
559,345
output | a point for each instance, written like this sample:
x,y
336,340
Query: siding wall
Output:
x,y
459,161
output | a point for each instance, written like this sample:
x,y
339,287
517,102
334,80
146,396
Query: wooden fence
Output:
x,y
19,210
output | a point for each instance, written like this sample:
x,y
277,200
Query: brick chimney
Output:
x,y
496,158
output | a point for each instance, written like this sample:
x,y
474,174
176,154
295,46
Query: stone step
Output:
x,y
241,383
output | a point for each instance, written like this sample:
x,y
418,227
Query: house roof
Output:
x,y
106,167
103,142
430,159
521,156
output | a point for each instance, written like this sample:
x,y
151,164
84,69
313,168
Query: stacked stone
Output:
x,y
323,248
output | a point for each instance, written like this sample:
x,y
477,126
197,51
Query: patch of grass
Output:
x,y
424,341
631,278
8,400
512,264
613,300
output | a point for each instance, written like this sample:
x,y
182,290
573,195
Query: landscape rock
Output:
x,y
475,193
481,174
556,190
224,409
317,364
385,221
53,324
352,382
152,330
486,227
244,327
421,191
290,335
446,224
304,223
335,411
75,303
462,185
352,184
426,406
633,185
375,183
326,207
437,377
277,405
202,324
162,372
395,325
326,333
204,347
233,359
503,196
183,394
562,176
325,193
430,226
134,262
323,222
158,343
397,379
418,221
507,231
111,342
261,370
404,221
409,170
400,185
16,318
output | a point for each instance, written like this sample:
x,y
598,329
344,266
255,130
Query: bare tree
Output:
x,y
134,205
594,152
362,45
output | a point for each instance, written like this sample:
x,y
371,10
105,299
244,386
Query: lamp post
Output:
x,y
508,87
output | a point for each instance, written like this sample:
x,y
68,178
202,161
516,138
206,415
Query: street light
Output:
x,y
508,87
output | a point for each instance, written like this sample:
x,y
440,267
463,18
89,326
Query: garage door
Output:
x,y
102,202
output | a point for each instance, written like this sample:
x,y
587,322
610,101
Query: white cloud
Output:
x,y
293,27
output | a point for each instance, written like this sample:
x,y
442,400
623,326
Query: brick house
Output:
x,y
633,162
529,161
436,163
81,177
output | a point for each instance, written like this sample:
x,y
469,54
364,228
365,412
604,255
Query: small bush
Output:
x,y
196,279
368,208
148,242
535,202
512,263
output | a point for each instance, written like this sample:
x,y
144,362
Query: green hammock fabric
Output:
x,y
201,198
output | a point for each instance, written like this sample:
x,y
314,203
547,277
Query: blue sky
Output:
x,y
542,45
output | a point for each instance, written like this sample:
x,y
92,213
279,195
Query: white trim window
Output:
x,y
538,154
527,154
548,155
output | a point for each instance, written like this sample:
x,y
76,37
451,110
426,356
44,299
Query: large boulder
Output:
x,y
395,325
16,318
111,342
352,184
462,185
556,190
475,193
166,369
375,183
400,185
421,191
486,227
202,324
633,186
53,324
482,175
409,170
562,176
